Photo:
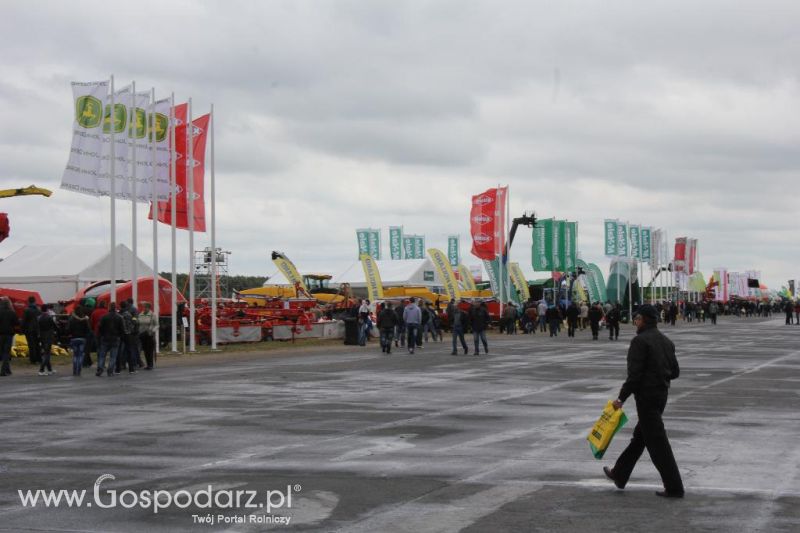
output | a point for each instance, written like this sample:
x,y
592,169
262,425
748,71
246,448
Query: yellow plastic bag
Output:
x,y
610,421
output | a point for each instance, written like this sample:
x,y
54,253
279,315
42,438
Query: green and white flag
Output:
x,y
611,248
636,242
559,251
492,269
542,251
82,173
408,246
645,243
419,247
622,239
452,250
570,245
396,242
369,242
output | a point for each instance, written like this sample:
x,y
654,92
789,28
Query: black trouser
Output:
x,y
571,325
613,330
650,433
595,329
554,327
148,347
789,319
46,338
34,350
713,318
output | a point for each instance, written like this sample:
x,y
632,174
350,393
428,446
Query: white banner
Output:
x,y
88,170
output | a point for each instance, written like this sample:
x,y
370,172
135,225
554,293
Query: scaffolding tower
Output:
x,y
203,263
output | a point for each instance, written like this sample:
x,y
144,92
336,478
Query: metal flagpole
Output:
x,y
112,127
154,203
134,245
507,247
213,241
618,275
630,272
172,194
190,209
499,272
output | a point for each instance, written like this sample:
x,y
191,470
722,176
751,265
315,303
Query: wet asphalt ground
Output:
x,y
365,442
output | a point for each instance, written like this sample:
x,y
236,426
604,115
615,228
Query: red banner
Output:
x,y
487,223
691,254
199,136
679,264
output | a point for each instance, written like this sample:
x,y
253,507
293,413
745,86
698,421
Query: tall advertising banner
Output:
x,y
518,278
570,245
680,255
419,247
656,237
372,277
691,255
543,246
791,288
452,250
487,223
467,281
559,255
622,239
636,242
721,290
82,173
369,242
446,273
396,242
645,237
408,246
611,246
492,269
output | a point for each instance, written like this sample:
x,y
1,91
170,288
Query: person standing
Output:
x,y
542,310
387,321
148,325
458,321
363,322
400,326
110,331
479,322
713,309
584,314
510,318
595,316
412,317
129,350
612,322
79,331
8,323
553,320
94,321
652,365
30,327
573,312
789,310
47,334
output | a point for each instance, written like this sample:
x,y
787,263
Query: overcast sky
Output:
x,y
344,114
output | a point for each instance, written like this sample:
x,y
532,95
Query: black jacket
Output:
x,y
479,319
8,320
595,315
30,319
387,319
651,364
78,328
111,326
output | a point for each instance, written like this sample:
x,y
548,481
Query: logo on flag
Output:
x,y
137,128
120,118
88,111
482,238
483,200
161,127
482,219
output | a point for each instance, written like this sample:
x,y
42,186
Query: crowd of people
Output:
x,y
119,336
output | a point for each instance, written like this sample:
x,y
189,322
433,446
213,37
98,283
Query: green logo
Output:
x,y
161,127
137,127
88,111
120,118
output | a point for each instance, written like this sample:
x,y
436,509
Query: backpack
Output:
x,y
127,323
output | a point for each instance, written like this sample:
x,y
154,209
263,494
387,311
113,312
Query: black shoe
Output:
x,y
665,494
110,373
610,475
148,368
389,351
99,373
453,353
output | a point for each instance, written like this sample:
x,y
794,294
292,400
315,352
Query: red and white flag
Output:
x,y
691,254
679,263
487,223
199,137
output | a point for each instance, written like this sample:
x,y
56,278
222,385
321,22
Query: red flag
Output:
x,y
199,136
487,223
680,255
691,245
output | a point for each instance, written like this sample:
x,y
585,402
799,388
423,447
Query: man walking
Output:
x,y
573,312
479,322
412,317
651,367
458,321
595,316
713,309
8,322
387,320
30,327
110,331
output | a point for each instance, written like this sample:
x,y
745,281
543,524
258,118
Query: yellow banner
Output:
x,y
288,269
466,278
520,282
449,280
373,278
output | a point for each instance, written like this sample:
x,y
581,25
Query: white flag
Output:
x,y
83,170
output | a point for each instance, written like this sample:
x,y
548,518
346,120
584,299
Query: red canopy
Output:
x,y
19,299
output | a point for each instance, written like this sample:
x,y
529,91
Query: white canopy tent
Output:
x,y
394,273
57,272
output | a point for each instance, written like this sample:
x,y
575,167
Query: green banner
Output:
x,y
611,238
492,269
419,247
452,250
622,239
543,246
369,242
570,246
646,244
559,246
636,242
396,242
408,246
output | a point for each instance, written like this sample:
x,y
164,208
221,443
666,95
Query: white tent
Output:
x,y
394,273
57,272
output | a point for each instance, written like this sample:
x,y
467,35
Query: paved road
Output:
x,y
429,442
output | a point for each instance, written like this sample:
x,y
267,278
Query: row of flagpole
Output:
x,y
190,163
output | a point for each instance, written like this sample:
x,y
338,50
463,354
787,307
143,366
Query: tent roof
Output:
x,y
392,272
68,261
